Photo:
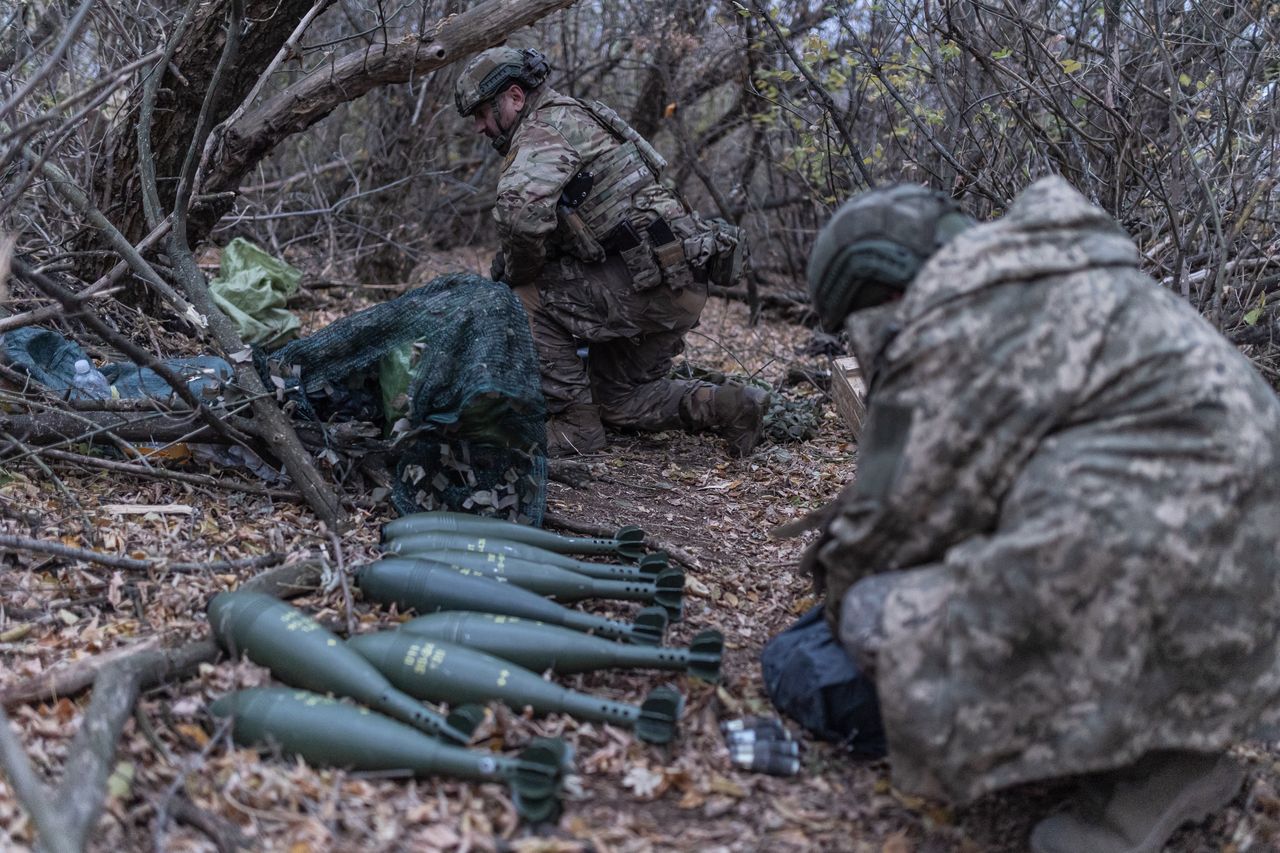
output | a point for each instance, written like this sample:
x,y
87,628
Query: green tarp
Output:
x,y
252,288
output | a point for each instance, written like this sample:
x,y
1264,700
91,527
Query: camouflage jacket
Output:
x,y
1083,473
556,138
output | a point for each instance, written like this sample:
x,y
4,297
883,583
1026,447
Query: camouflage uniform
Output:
x,y
1073,477
634,331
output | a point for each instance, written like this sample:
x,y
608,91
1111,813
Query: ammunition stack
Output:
x,y
486,627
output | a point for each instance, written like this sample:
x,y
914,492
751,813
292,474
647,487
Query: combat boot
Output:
x,y
737,416
575,430
1136,809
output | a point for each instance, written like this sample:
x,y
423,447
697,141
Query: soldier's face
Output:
x,y
497,115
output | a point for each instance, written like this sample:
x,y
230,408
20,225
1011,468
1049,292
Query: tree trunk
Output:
x,y
178,105
309,100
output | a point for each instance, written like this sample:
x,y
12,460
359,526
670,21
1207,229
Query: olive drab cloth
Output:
x,y
1079,476
634,332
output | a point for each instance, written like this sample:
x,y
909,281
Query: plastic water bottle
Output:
x,y
89,383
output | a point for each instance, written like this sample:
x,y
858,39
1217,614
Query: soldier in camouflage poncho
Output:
x,y
602,254
1060,554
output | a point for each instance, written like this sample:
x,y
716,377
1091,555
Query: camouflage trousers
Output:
x,y
633,338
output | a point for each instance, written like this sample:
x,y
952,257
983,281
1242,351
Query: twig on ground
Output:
x,y
86,527
224,834
129,564
575,474
341,569
82,791
166,474
29,790
163,810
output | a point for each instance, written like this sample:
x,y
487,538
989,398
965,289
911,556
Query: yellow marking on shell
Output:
x,y
295,621
502,677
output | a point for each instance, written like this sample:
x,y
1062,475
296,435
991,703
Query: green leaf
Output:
x,y
1070,66
1251,318
1184,79
1002,53
121,781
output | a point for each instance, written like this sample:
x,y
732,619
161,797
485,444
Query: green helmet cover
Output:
x,y
874,245
494,70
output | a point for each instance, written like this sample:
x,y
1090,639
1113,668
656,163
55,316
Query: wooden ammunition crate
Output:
x,y
849,392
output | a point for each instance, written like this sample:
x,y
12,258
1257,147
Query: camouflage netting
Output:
x,y
450,372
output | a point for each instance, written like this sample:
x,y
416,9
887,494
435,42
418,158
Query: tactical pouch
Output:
x,y
645,272
668,250
728,265
636,253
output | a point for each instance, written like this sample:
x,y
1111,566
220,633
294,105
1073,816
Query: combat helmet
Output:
x,y
492,71
874,245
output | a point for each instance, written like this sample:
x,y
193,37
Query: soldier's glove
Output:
x,y
498,267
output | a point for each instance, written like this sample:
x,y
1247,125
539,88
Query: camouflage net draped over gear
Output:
x,y
473,436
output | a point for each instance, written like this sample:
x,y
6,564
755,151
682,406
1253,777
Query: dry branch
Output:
x,y
67,188
224,834
29,790
309,100
128,564
165,474
81,794
273,427
39,315
58,427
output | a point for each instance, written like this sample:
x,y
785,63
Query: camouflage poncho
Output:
x,y
1080,474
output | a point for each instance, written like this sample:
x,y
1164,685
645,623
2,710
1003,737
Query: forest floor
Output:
x,y
627,796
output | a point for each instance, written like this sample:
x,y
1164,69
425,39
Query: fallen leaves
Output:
x,y
626,796
644,782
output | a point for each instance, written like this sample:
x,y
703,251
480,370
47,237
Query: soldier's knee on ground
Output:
x,y
575,430
861,612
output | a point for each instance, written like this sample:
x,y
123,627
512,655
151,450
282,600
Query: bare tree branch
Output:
x,y
311,99
129,564
30,791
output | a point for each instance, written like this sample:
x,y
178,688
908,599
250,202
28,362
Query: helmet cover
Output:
x,y
874,245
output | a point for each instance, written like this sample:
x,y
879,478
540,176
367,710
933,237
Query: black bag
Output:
x,y
811,679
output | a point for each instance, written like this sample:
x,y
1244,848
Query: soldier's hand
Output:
x,y
812,566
